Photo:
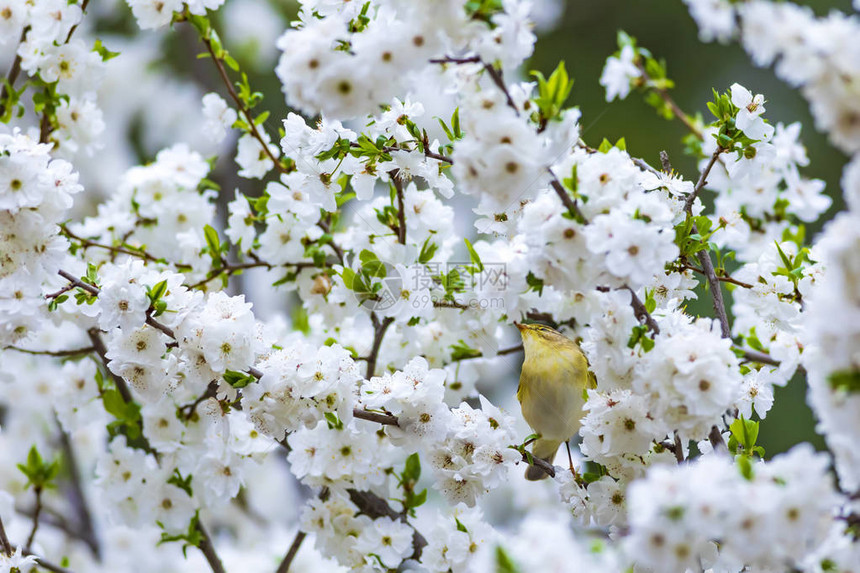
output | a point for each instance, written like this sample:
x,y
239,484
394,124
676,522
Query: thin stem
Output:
x,y
679,449
139,253
101,350
716,291
76,496
75,27
401,211
338,251
642,314
14,71
703,180
716,439
760,357
374,507
57,353
45,564
208,550
36,512
725,279
378,335
241,106
497,78
284,567
705,257
4,540
384,419
569,203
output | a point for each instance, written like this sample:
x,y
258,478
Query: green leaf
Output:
x,y
604,146
428,249
102,51
183,483
473,256
156,292
745,432
334,423
504,563
412,471
348,276
238,379
213,242
39,472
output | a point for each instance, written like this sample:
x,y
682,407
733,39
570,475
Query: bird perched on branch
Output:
x,y
552,389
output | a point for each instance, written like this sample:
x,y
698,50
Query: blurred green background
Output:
x,y
586,35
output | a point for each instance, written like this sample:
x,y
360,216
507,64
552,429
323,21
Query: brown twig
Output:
x,y
374,507
568,203
705,257
497,78
56,353
378,335
208,550
716,440
139,253
14,71
36,512
187,411
384,419
721,278
401,210
760,357
284,566
250,120
676,109
75,27
101,350
703,180
642,314
4,540
338,251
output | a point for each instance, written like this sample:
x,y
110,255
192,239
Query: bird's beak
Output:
x,y
520,325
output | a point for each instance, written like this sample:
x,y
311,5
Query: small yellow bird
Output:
x,y
552,387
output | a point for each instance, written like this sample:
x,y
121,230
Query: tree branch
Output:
x,y
4,540
379,418
284,567
56,353
77,499
760,357
208,550
378,335
642,314
249,118
374,507
138,253
401,211
36,512
14,71
101,350
703,180
705,257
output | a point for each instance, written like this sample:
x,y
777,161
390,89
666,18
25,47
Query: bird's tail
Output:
x,y
545,450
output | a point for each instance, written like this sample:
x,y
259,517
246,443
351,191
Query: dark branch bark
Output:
x,y
284,567
378,335
208,550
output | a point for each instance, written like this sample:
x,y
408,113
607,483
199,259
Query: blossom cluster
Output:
x,y
435,199
35,195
